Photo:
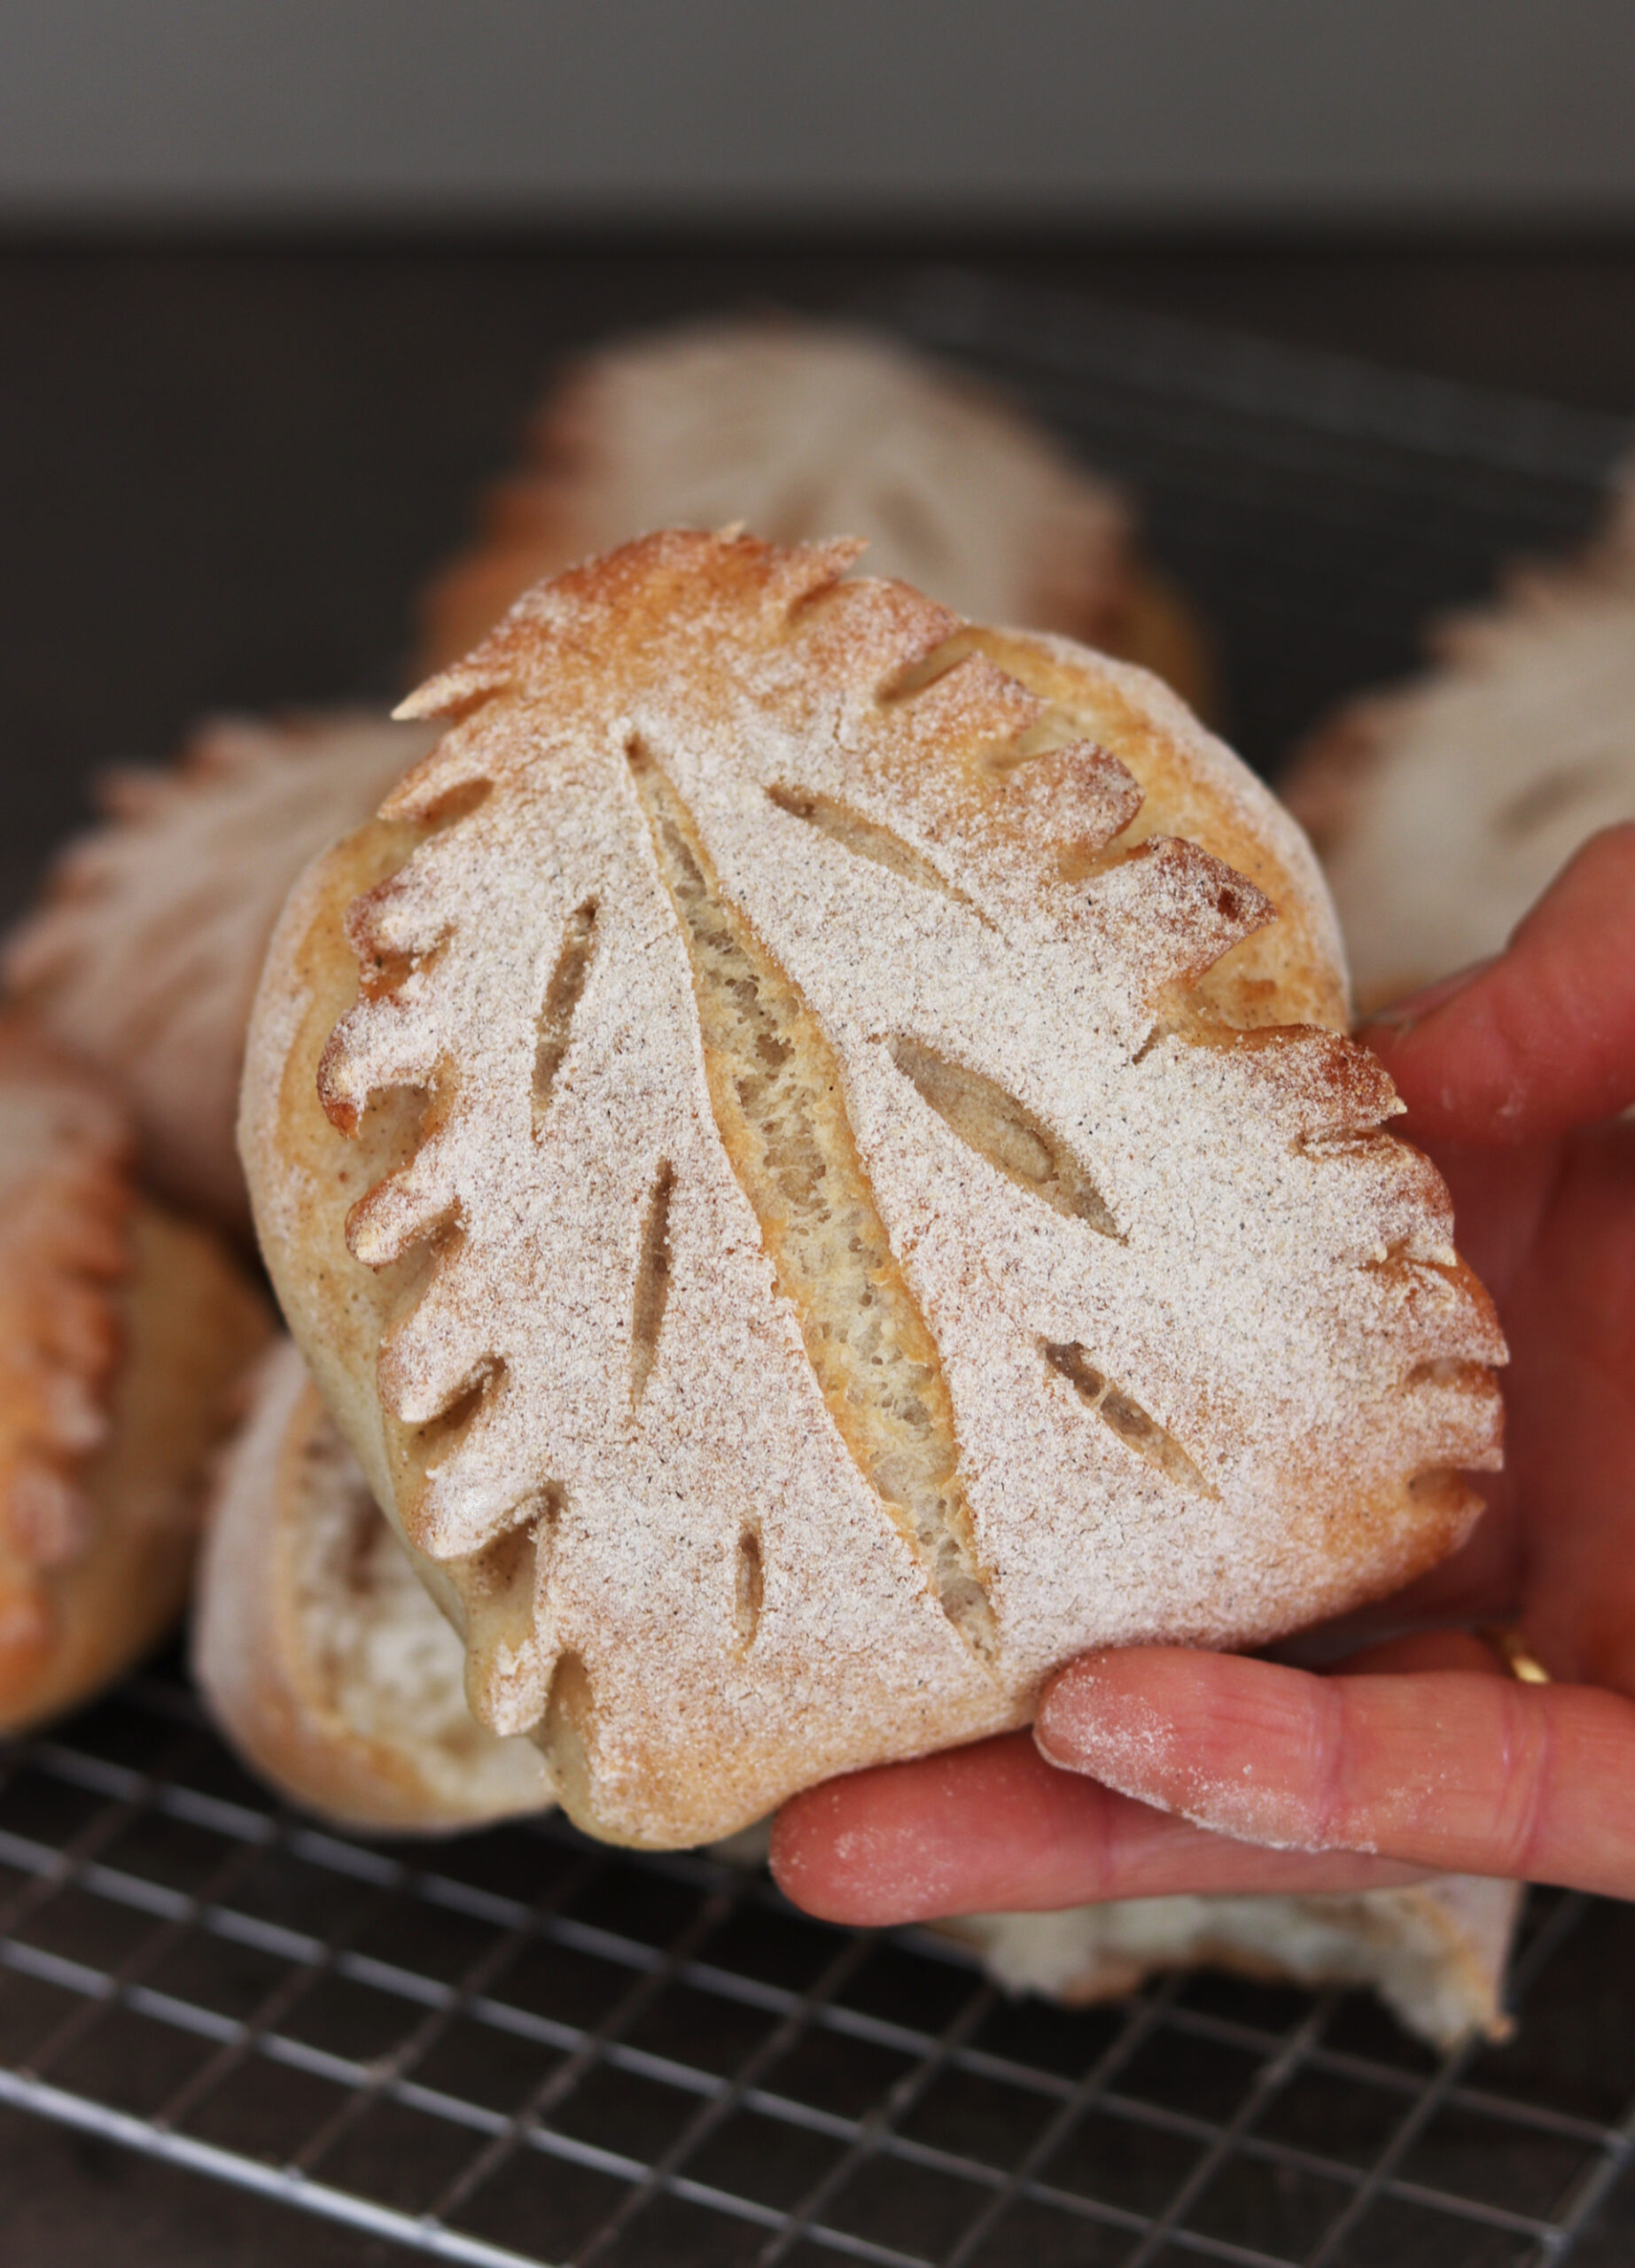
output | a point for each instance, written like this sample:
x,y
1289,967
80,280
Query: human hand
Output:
x,y
1159,1769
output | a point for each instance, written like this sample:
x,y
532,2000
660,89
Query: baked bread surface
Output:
x,y
123,1332
1435,1952
805,1199
141,959
1444,808
796,428
316,1646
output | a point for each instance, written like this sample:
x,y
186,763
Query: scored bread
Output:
x,y
141,960
799,428
816,1193
122,1333
1442,809
316,1648
327,1666
1435,1952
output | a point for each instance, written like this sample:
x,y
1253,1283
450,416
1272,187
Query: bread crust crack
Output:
x,y
778,1096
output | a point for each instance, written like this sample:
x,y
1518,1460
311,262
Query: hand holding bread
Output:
x,y
786,1152
1255,1774
811,1149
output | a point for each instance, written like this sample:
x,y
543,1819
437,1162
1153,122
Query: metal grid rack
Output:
x,y
518,2049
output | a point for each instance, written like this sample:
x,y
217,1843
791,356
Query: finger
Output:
x,y
1541,1039
994,1829
1570,1413
1447,1769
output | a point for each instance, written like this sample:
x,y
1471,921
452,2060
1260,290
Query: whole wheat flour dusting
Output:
x,y
1260,1278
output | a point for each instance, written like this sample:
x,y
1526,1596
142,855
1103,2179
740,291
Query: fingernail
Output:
x,y
1401,1016
1118,1740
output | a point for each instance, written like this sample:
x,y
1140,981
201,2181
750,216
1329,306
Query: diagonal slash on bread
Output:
x,y
839,1183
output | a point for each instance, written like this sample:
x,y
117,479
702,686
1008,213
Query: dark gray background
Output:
x,y
226,468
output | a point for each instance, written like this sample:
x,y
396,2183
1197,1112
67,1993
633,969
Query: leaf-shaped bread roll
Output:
x,y
799,428
122,1333
141,960
1443,809
788,1157
320,1654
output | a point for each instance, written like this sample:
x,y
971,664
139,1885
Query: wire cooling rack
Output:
x,y
517,2048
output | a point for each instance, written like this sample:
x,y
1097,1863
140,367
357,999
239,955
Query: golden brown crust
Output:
x,y
752,957
123,1333
64,1257
1291,969
801,429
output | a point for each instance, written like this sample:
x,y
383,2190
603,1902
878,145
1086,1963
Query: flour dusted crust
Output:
x,y
142,959
316,1646
796,428
794,1231
1442,809
120,1333
1434,1953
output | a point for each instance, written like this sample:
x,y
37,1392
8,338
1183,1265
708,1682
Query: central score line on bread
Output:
x,y
776,1090
929,1019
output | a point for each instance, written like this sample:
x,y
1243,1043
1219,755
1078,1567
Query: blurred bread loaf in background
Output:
x,y
1442,808
141,958
804,429
122,1333
1436,1952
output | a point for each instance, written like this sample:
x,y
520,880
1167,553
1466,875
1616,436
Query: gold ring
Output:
x,y
1517,1656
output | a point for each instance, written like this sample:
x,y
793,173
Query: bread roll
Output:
x,y
1434,1953
319,1653
1443,810
330,1670
142,959
801,429
122,1334
816,1193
